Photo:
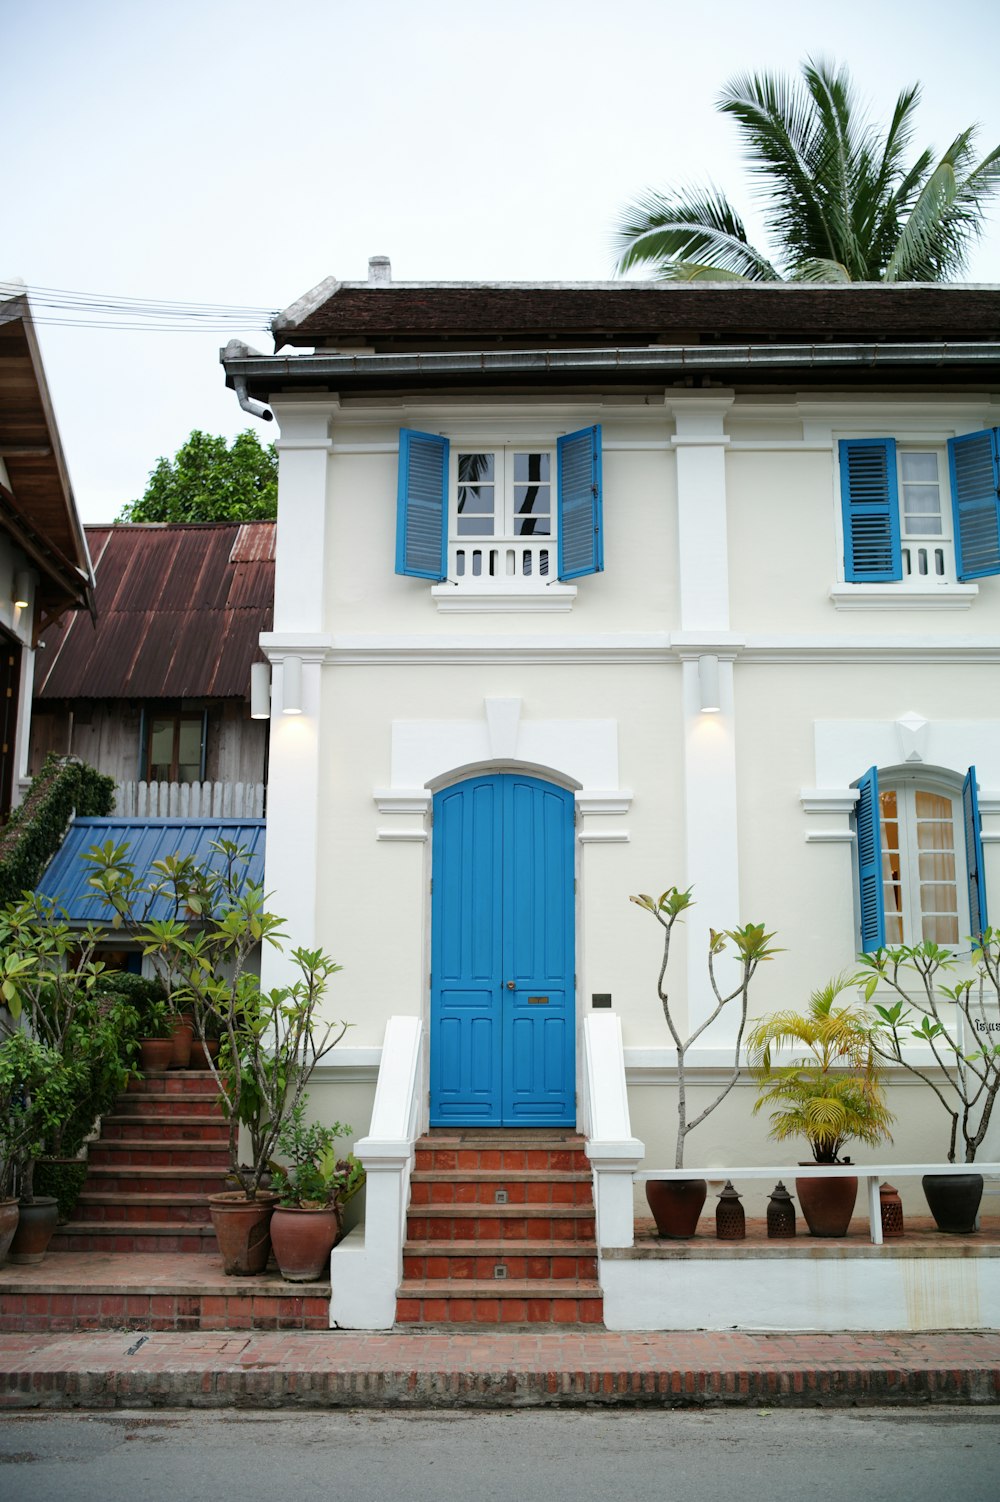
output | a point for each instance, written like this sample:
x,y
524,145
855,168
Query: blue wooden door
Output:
x,y
502,952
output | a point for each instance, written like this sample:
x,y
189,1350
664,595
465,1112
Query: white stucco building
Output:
x,y
584,591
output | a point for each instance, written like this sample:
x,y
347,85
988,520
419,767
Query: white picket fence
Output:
x,y
190,800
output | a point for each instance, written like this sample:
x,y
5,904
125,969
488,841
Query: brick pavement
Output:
x,y
520,1368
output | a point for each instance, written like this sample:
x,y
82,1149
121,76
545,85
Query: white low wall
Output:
x,y
802,1292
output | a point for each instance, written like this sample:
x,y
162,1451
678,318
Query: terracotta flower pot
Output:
x,y
155,1054
954,1200
827,1204
180,1039
303,1240
202,1052
242,1230
36,1222
676,1205
9,1213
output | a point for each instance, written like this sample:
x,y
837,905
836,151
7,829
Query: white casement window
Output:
x,y
928,555
924,877
503,519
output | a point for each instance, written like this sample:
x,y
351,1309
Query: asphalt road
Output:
x,y
536,1456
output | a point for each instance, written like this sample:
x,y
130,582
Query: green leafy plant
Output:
x,y
831,1094
753,947
946,1022
271,1041
210,481
314,1177
35,829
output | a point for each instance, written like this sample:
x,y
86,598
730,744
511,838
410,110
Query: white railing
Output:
x,y
367,1267
871,1173
189,800
613,1152
485,562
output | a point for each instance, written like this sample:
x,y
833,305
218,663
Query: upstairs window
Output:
x,y
175,747
492,519
920,860
918,515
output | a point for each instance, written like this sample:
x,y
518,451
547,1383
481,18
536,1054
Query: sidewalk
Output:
x,y
491,1369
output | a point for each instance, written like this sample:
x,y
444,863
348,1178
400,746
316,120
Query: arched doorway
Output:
x,y
503,1008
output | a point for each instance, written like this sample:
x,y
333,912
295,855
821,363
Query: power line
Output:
x,y
64,308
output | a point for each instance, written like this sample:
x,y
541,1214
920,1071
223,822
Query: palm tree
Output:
x,y
841,205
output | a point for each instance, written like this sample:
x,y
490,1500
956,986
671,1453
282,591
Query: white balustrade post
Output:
x,y
614,1153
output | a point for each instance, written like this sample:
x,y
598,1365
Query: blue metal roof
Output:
x,y
65,877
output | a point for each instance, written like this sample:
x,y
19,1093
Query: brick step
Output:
x,y
480,1187
155,1105
438,1302
122,1209
163,1128
173,1082
134,1236
139,1152
565,1223
523,1261
154,1179
461,1153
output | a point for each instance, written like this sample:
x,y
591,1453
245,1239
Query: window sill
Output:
x,y
902,597
501,599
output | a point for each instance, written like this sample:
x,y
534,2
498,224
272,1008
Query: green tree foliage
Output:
x,y
840,202
206,481
36,828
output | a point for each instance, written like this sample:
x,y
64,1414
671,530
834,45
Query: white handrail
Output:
x,y
613,1151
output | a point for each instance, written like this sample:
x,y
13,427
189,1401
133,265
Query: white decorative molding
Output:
x,y
897,597
503,717
828,800
912,732
410,801
830,836
604,837
458,599
845,749
604,803
402,836
989,808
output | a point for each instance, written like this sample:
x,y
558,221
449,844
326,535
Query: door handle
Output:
x,y
510,985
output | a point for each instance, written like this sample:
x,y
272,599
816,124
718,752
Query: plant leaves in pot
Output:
x,y
312,1191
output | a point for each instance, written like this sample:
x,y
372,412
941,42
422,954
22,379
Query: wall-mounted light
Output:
x,y
260,691
291,686
22,588
708,685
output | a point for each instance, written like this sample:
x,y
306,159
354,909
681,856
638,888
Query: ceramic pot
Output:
x,y
303,1240
202,1052
155,1054
36,1222
8,1225
954,1200
180,1040
242,1229
827,1204
675,1205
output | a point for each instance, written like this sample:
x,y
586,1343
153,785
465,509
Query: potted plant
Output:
x,y
959,1052
830,1095
676,1204
271,1041
312,1189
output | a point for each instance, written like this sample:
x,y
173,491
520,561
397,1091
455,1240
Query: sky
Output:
x,y
237,152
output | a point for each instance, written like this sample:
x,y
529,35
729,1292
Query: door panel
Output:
x,y
502,1000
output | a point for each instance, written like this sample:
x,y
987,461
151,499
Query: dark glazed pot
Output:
x,y
676,1205
35,1225
302,1242
242,1229
954,1200
827,1204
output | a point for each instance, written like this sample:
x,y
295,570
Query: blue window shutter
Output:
x,y
870,499
866,816
974,461
581,525
974,854
422,505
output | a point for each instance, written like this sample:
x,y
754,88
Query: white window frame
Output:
x,y
921,547
906,785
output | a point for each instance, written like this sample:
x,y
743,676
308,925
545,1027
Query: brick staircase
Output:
x,y
500,1230
159,1156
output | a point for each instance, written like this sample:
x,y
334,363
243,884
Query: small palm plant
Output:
x,y
832,1094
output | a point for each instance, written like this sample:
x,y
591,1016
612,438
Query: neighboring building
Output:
x,y
583,591
45,568
157,693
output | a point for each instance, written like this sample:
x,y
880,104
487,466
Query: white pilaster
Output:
x,y
300,557
711,842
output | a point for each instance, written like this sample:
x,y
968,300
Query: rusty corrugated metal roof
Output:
x,y
179,612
